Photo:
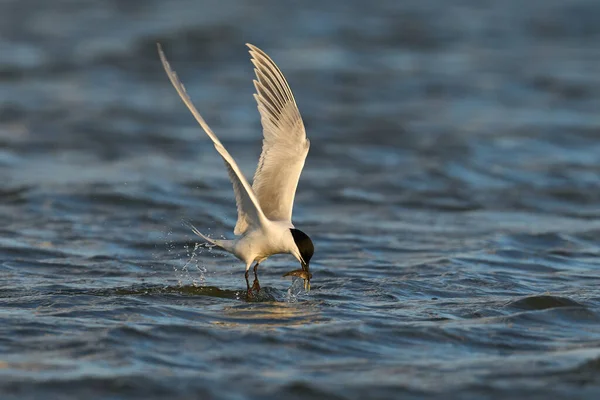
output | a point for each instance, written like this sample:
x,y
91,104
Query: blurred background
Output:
x,y
452,191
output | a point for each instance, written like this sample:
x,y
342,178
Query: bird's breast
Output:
x,y
258,245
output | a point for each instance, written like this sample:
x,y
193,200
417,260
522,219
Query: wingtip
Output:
x,y
161,53
253,49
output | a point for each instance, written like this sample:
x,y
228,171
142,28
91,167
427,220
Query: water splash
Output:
x,y
192,269
296,291
193,262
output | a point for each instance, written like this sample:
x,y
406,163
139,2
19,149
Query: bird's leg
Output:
x,y
248,283
256,285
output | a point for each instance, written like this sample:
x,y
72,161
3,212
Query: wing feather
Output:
x,y
285,145
248,205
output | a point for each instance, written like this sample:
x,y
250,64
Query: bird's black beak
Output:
x,y
305,267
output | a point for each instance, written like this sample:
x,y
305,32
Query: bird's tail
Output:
x,y
224,244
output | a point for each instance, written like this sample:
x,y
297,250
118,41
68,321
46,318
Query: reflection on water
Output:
x,y
270,315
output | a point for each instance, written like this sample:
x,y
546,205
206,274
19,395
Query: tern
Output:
x,y
264,225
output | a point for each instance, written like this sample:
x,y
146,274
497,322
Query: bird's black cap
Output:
x,y
305,245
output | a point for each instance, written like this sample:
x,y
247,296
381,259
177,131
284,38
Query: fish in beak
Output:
x,y
303,273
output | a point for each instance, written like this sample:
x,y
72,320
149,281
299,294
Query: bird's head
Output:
x,y
303,253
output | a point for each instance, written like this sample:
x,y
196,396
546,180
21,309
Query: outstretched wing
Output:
x,y
248,206
285,145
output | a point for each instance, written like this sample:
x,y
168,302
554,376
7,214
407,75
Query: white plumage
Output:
x,y
265,208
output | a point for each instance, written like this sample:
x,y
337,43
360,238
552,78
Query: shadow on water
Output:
x,y
543,302
266,294
271,308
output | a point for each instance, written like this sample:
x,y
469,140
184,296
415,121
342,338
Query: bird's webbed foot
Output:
x,y
255,285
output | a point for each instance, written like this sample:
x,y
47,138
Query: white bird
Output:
x,y
264,226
